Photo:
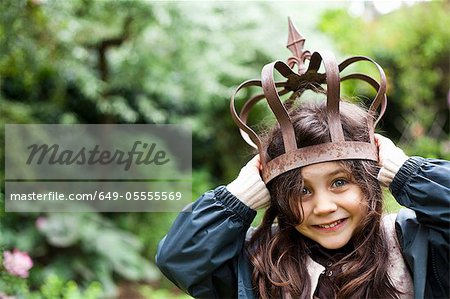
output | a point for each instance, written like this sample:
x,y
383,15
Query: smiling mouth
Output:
x,y
332,224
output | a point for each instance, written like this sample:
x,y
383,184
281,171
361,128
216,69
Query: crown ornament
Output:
x,y
295,83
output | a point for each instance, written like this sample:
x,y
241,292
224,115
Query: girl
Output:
x,y
323,234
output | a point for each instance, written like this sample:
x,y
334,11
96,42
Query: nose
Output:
x,y
324,204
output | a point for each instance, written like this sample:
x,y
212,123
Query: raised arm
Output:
x,y
204,248
422,185
423,230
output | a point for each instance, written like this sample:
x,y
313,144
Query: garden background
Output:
x,y
132,62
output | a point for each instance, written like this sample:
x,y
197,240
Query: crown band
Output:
x,y
324,152
297,83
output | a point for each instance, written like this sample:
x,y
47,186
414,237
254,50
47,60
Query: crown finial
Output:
x,y
308,78
295,44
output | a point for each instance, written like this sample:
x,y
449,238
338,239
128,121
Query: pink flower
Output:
x,y
17,263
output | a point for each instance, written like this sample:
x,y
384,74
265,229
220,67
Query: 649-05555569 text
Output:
x,y
102,195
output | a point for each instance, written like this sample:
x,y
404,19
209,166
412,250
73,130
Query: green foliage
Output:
x,y
172,62
429,147
138,62
56,288
151,293
412,46
82,246
121,62
10,284
52,287
390,204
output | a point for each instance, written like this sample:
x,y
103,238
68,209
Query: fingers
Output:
x,y
382,141
385,148
255,162
249,187
390,158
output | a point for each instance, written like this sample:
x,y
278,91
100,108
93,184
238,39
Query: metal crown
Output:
x,y
296,83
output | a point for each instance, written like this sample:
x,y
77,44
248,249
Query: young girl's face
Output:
x,y
333,205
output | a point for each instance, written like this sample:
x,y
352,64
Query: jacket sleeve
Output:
x,y
423,186
199,253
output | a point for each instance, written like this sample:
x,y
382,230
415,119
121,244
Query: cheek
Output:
x,y
356,204
363,211
305,209
356,197
302,229
360,208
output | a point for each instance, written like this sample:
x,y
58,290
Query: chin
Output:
x,y
333,245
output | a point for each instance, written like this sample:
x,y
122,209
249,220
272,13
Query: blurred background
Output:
x,y
132,62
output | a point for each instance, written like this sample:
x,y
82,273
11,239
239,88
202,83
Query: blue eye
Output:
x,y
305,191
339,183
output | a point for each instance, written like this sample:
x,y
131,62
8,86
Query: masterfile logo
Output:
x,y
52,155
108,167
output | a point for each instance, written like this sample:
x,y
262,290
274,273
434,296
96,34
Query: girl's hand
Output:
x,y
249,187
390,158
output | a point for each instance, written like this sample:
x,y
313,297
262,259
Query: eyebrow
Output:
x,y
337,171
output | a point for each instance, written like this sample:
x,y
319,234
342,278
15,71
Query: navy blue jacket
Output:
x,y
203,251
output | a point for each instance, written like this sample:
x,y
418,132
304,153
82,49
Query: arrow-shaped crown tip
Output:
x,y
295,41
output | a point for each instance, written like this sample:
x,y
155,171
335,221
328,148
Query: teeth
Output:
x,y
331,224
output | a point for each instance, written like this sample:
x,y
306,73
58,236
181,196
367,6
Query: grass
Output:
x,y
390,204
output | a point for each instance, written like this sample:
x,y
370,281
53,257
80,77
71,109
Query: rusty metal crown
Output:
x,y
297,83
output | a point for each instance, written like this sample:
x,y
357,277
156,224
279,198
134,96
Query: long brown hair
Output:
x,y
279,255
